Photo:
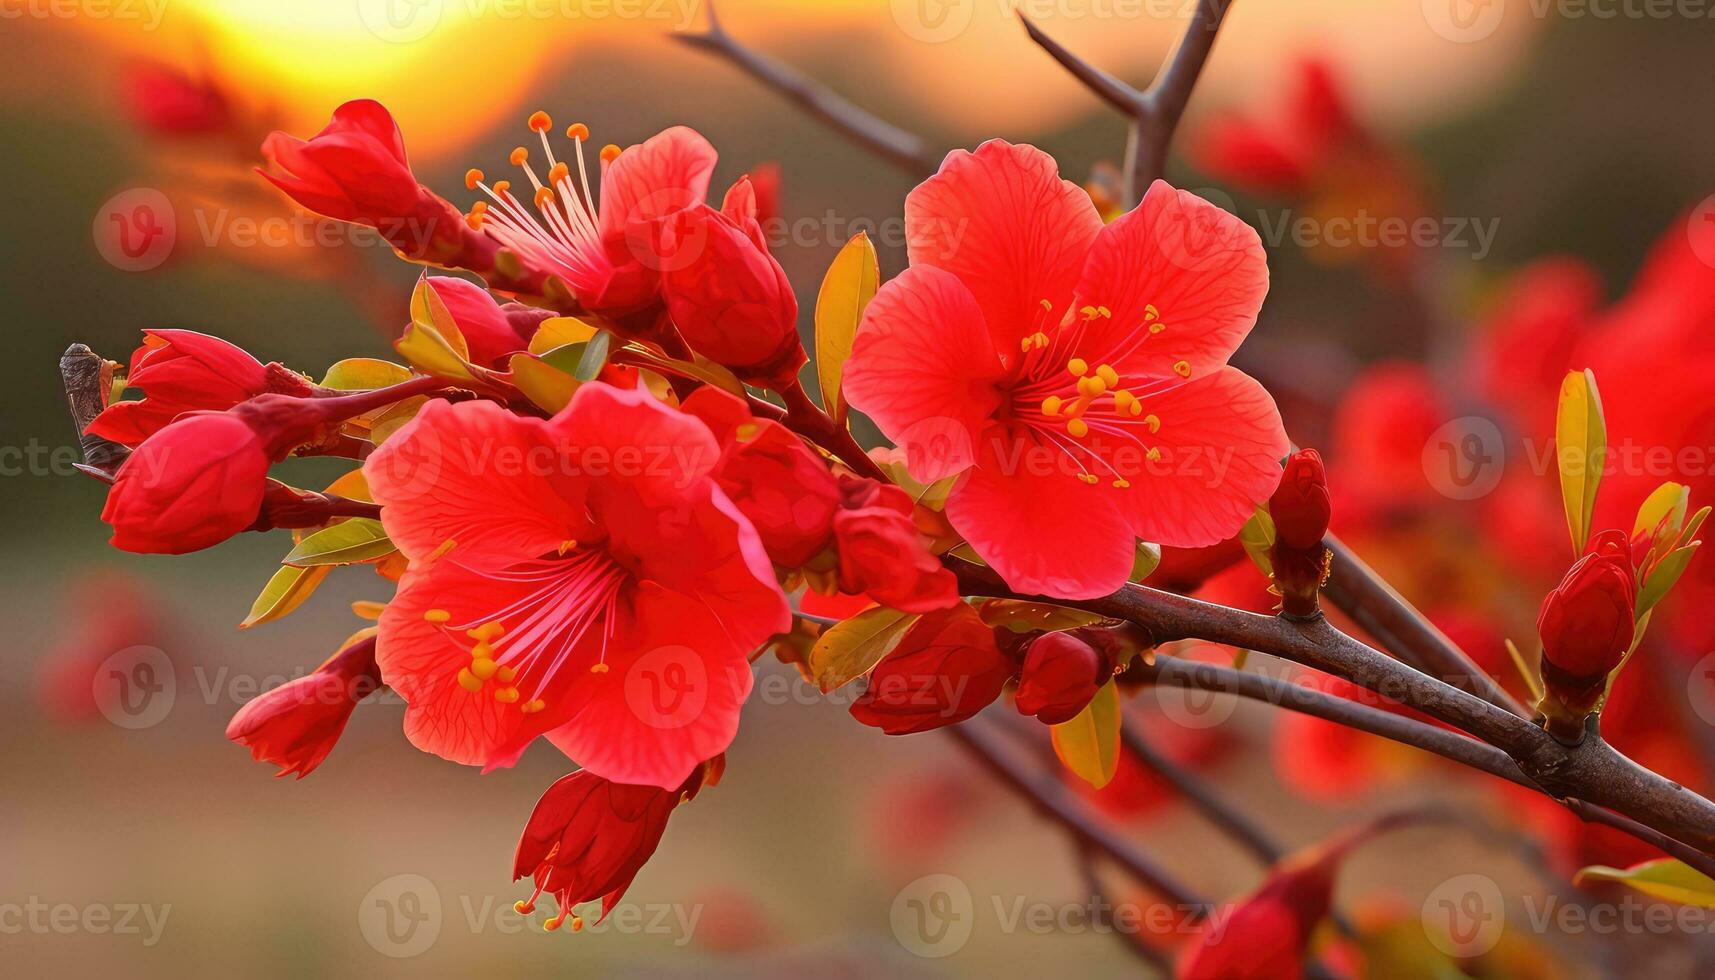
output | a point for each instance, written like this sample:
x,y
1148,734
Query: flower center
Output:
x,y
520,648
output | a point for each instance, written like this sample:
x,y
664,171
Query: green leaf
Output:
x,y
1257,537
346,543
1089,744
1147,561
547,386
851,282
1581,441
1663,878
364,373
432,342
1664,576
847,651
594,357
285,592
559,331
1023,616
1667,503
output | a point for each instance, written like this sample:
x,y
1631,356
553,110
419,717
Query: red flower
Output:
x,y
491,331
1586,622
183,371
777,482
1285,155
167,100
1300,504
727,295
190,486
354,169
882,553
295,725
1061,674
945,670
1266,936
588,836
1073,375
1384,421
605,249
581,578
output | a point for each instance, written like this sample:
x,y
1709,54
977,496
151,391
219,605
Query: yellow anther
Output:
x,y
482,651
469,681
598,669
568,546
1091,386
1150,312
1124,400
553,925
1108,375
1154,454
522,907
544,196
519,156
540,122
1051,405
746,431
476,215
488,632
1122,483
506,674
501,187
1104,312
533,707
445,546
482,670
577,923
577,131
472,177
1078,366
1087,312
1047,307
1078,428
1037,340
559,172
438,616
506,695
609,153
1153,421
1157,327
1089,478
1182,368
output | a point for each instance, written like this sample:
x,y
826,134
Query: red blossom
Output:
x,y
945,670
296,725
184,371
162,98
882,553
491,331
1300,504
190,486
1061,674
1586,622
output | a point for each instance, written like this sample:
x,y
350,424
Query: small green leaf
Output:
x,y
284,593
1147,561
1089,744
1581,442
847,651
594,357
364,373
1664,576
851,282
548,387
1663,878
1257,537
346,543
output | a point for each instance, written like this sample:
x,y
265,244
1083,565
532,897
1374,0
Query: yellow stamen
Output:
x,y
540,122
519,156
1154,423
558,172
482,670
1121,483
522,907
577,131
469,681
1182,368
1051,405
598,669
445,547
577,923
488,632
1154,454
1078,366
1150,312
1109,376
568,546
609,153
1078,428
506,695
506,674
472,177
502,186
437,616
544,196
482,651
1089,478
1157,327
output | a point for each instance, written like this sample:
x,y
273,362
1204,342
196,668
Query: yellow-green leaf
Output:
x,y
1581,442
1148,559
1663,577
285,592
558,331
548,387
364,373
594,357
1668,501
1257,537
1022,616
848,287
1663,878
1089,744
432,342
346,543
847,651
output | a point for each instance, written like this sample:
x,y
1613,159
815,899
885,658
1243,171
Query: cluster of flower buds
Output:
x,y
1300,511
1586,626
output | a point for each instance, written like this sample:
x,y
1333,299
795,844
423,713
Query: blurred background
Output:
x,y
1519,131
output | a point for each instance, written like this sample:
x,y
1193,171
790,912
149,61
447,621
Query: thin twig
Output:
x,y
902,149
1134,940
1223,814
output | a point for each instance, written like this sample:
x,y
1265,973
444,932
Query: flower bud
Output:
x,y
1586,626
295,725
729,298
945,670
191,485
1300,511
487,328
183,371
882,553
1061,674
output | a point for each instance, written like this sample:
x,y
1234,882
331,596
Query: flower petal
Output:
x,y
1200,267
924,370
1003,221
665,173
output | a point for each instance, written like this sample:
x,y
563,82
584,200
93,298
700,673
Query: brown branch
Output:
x,y
1356,590
1592,771
1219,811
1135,942
902,149
1398,728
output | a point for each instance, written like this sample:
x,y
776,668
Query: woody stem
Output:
x,y
806,418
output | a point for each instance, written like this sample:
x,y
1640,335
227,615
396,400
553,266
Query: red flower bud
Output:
x,y
183,371
1586,622
772,477
191,485
729,298
588,837
882,553
1300,504
354,169
295,725
1267,935
945,670
489,330
1061,674
162,98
